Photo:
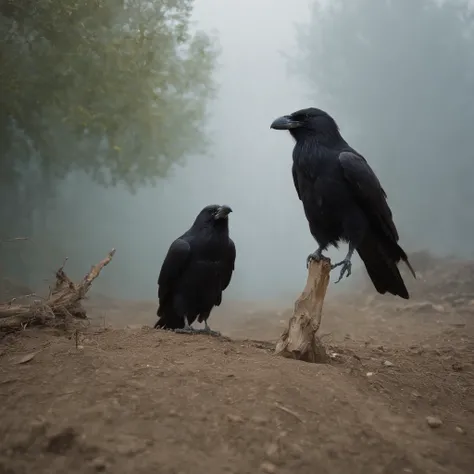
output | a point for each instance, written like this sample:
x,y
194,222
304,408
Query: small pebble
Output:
x,y
387,363
268,467
99,465
296,449
235,418
460,430
272,450
433,421
260,420
369,374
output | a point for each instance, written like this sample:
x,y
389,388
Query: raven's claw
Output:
x,y
186,330
208,330
317,256
345,270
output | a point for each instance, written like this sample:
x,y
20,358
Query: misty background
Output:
x,y
398,77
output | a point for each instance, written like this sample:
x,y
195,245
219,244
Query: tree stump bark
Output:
x,y
300,340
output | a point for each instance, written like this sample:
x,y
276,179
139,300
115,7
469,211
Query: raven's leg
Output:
x,y
317,256
208,330
346,263
187,328
203,317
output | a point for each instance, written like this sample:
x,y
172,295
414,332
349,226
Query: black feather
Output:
x,y
197,269
342,197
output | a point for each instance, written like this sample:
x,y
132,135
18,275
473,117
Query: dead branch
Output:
x,y
63,302
299,340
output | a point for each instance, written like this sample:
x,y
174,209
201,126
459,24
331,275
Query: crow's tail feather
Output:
x,y
167,317
380,258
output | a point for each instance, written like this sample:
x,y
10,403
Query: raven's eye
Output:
x,y
301,118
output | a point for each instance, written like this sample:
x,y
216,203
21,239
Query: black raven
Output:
x,y
343,199
197,269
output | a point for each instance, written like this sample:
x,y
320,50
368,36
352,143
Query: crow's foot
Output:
x,y
345,270
188,330
316,256
208,330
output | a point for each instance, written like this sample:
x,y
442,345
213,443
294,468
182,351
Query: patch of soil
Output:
x,y
140,400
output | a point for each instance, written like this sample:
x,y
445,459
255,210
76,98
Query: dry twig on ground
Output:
x,y
63,301
300,340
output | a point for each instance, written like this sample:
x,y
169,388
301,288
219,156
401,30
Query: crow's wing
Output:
x,y
228,268
295,180
175,262
368,191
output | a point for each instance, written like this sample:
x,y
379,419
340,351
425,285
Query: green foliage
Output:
x,y
398,75
117,88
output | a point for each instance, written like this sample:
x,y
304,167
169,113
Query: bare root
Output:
x,y
63,302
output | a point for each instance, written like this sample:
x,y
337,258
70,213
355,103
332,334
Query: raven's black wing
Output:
x,y
230,264
175,262
368,191
295,180
227,271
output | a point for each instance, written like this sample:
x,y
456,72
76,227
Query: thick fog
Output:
x,y
249,168
249,165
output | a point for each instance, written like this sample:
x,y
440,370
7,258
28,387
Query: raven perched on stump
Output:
x,y
343,199
197,269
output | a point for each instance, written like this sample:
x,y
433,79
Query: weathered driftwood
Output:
x,y
63,301
300,340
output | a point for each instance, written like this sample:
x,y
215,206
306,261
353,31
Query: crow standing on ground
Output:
x,y
343,199
197,269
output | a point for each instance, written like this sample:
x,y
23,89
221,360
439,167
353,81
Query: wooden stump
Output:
x,y
300,340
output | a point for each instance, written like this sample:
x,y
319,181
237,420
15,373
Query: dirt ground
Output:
x,y
130,399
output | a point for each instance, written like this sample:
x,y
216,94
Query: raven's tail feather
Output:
x,y
167,317
380,259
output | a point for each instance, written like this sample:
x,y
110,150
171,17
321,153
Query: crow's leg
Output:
x,y
346,264
187,328
208,330
317,256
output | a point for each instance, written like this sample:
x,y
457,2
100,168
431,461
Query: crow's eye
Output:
x,y
301,118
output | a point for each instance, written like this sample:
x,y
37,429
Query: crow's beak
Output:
x,y
223,212
285,123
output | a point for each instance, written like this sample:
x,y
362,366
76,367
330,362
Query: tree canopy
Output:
x,y
116,88
399,77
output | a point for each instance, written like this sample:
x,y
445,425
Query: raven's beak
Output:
x,y
223,212
285,123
